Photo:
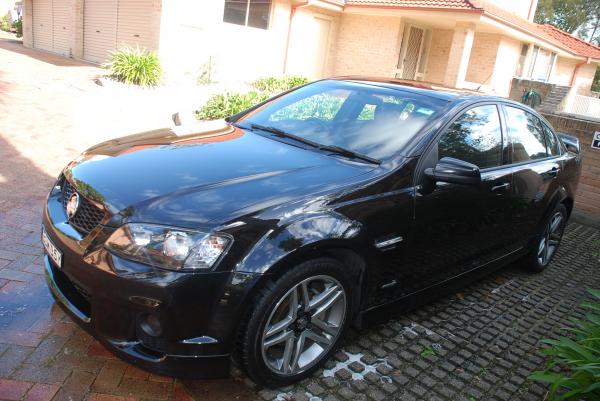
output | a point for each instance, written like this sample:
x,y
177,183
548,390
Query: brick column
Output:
x,y
27,23
460,52
77,38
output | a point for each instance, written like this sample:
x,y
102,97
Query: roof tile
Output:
x,y
548,33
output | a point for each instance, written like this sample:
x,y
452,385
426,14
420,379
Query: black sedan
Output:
x,y
262,238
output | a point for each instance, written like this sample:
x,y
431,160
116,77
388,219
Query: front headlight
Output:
x,y
168,247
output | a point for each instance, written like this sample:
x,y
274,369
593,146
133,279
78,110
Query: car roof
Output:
x,y
423,88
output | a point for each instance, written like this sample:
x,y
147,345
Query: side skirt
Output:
x,y
383,313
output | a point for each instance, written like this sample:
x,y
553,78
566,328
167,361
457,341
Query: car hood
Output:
x,y
214,173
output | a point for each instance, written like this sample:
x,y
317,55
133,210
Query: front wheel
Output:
x,y
297,323
547,241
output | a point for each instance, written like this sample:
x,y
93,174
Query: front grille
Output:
x,y
88,215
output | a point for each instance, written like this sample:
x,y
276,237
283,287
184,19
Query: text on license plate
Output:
x,y
53,252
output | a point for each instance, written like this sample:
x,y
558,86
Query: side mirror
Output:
x,y
571,142
454,171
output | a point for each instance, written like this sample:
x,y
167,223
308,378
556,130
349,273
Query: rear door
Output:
x,y
536,165
460,227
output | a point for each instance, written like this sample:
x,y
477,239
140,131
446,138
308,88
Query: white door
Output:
x,y
42,24
321,49
61,27
99,29
410,53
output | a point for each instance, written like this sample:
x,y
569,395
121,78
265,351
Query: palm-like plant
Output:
x,y
135,67
531,97
577,357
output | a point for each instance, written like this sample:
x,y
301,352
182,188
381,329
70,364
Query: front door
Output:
x,y
459,227
536,166
411,53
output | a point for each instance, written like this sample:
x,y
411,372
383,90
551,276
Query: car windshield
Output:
x,y
369,120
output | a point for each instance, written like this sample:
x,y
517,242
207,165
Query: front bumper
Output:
x,y
179,324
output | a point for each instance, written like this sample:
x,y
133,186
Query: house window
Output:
x,y
541,65
254,13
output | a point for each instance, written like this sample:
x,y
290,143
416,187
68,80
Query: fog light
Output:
x,y
151,325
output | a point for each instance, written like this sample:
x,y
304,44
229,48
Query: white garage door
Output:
x,y
61,28
138,24
112,24
99,29
42,24
51,26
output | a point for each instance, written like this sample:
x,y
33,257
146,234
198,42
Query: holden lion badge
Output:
x,y
72,205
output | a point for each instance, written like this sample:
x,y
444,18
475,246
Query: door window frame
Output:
x,y
429,157
542,123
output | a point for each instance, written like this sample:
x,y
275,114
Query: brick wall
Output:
x,y
441,39
483,58
367,45
520,85
588,192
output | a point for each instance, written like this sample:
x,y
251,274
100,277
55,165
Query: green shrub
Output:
x,y
227,104
577,358
273,85
5,24
135,66
18,27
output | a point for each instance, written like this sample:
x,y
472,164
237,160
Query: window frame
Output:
x,y
247,16
535,52
458,115
542,125
429,157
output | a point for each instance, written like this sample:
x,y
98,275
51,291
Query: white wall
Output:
x,y
193,31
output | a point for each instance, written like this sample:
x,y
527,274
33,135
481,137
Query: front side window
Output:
x,y
370,120
254,13
526,135
475,137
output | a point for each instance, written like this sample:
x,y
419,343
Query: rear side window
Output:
x,y
526,135
475,137
552,144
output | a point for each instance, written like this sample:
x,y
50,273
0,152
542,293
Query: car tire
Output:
x,y
546,242
307,309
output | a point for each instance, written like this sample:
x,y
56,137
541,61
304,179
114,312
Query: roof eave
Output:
x,y
394,7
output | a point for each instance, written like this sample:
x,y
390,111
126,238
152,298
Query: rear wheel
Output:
x,y
297,323
547,241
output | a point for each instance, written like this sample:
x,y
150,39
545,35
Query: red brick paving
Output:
x,y
13,389
41,392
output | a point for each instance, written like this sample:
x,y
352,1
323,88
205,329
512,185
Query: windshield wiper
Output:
x,y
330,148
349,153
283,134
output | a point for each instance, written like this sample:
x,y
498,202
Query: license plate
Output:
x,y
51,249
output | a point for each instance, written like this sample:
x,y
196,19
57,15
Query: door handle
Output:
x,y
499,187
554,172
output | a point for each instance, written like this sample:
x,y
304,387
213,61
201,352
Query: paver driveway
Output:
x,y
479,344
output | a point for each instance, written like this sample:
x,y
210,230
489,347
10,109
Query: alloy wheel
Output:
x,y
551,238
304,325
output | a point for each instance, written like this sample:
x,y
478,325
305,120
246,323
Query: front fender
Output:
x,y
311,232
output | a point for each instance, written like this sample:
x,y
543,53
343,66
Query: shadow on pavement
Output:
x,y
20,180
16,46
